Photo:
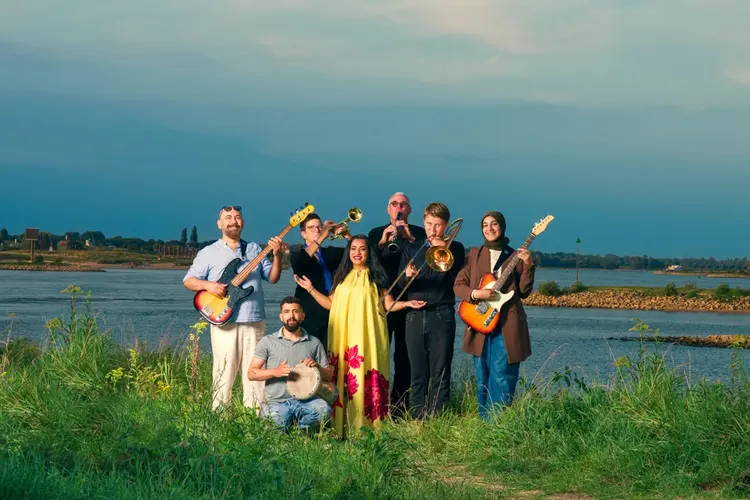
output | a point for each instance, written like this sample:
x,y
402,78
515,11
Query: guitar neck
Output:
x,y
511,265
242,275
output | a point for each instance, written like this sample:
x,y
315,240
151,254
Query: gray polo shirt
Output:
x,y
274,349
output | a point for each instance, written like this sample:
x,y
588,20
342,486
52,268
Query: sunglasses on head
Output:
x,y
229,208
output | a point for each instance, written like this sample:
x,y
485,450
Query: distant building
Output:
x,y
674,267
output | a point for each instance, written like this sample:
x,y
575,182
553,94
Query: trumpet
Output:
x,y
438,258
354,215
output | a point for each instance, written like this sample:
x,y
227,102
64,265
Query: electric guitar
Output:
x,y
484,316
218,310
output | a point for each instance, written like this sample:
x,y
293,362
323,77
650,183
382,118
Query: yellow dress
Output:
x,y
359,352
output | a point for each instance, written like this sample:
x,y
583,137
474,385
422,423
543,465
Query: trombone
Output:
x,y
354,215
438,258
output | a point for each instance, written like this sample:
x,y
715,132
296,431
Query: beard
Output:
x,y
232,230
291,325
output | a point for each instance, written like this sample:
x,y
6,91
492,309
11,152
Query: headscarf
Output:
x,y
501,242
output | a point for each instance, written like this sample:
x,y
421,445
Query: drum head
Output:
x,y
303,382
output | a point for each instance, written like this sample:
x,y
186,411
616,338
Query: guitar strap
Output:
x,y
243,249
506,252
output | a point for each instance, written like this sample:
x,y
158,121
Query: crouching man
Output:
x,y
275,355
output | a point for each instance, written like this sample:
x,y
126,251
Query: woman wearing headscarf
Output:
x,y
497,356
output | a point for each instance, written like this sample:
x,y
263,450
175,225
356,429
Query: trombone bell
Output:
x,y
439,258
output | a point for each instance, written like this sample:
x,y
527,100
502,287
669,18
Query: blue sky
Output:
x,y
627,120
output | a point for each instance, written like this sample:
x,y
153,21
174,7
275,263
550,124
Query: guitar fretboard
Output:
x,y
242,275
511,265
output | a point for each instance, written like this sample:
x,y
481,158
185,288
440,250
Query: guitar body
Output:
x,y
218,310
484,316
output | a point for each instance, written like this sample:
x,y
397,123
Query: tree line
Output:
x,y
76,240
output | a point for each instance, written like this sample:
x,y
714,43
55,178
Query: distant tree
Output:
x,y
3,235
45,241
183,237
194,237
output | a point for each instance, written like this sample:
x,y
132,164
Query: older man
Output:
x,y
233,343
390,240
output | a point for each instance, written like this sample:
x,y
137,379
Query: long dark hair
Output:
x,y
377,273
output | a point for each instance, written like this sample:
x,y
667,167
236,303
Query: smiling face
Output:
x,y
291,316
491,229
358,253
230,223
398,203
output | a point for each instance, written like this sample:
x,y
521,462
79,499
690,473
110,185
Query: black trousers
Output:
x,y
430,335
401,367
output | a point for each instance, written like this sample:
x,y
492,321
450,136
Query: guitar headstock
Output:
x,y
302,212
540,226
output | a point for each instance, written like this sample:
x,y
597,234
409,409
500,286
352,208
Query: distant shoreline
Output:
x,y
84,267
703,275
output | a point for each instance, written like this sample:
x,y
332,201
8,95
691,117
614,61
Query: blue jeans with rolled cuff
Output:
x,y
496,378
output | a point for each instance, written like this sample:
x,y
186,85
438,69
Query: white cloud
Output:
x,y
668,51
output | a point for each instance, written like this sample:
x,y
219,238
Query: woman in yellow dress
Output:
x,y
358,347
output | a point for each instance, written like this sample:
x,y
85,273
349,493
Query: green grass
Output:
x,y
84,418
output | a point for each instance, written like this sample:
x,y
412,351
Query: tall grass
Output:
x,y
84,418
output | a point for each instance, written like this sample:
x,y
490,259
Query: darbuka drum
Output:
x,y
305,382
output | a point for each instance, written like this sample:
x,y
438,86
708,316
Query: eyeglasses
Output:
x,y
395,203
229,208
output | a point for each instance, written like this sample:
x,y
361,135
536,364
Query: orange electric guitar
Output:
x,y
484,316
218,310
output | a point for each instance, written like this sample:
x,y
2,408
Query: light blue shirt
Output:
x,y
210,262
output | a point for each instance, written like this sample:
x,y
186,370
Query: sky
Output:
x,y
625,120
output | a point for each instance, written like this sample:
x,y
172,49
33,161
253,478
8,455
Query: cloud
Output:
x,y
588,51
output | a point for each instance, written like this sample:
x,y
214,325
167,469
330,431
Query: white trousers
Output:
x,y
233,346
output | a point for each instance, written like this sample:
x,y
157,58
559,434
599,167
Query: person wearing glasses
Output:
x,y
233,343
389,241
318,263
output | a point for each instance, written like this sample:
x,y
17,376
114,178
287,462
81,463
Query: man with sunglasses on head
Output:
x,y
390,240
233,343
318,263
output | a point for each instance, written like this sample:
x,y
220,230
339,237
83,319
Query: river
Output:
x,y
153,306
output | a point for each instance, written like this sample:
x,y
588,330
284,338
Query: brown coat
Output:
x,y
513,321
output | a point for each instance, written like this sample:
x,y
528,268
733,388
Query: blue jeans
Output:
x,y
496,378
308,414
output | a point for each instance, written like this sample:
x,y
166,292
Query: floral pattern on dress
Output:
x,y
351,385
333,362
352,357
376,395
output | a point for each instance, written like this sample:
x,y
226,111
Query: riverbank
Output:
x,y
698,274
90,266
88,419
635,299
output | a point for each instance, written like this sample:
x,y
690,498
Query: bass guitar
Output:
x,y
218,310
484,316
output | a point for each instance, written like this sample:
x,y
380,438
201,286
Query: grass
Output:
x,y
722,292
81,417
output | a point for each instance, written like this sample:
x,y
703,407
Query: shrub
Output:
x,y
723,292
670,290
550,289
577,287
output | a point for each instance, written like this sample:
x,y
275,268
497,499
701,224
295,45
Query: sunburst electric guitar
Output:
x,y
218,310
484,316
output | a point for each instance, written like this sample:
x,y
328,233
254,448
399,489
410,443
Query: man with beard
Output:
x,y
275,356
233,343
390,241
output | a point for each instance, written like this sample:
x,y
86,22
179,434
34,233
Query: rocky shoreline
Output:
x,y
729,341
627,299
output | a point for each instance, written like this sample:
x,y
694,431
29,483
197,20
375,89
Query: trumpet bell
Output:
x,y
355,214
439,258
